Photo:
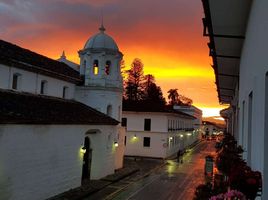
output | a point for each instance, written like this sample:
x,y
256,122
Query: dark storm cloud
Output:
x,y
83,14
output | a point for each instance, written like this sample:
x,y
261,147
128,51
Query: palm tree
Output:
x,y
173,96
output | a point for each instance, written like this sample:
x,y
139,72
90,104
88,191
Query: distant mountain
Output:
x,y
215,119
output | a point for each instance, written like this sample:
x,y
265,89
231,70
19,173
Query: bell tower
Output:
x,y
100,68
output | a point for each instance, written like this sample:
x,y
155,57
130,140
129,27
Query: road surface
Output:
x,y
174,181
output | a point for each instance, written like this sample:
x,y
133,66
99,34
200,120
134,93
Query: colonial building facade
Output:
x,y
237,31
59,122
157,133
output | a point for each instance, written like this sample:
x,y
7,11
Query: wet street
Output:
x,y
173,181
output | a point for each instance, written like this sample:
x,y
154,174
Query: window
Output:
x,y
249,149
43,89
147,124
266,120
124,122
146,141
16,81
109,110
96,67
107,67
65,92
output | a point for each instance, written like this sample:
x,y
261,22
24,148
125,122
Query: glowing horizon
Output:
x,y
168,38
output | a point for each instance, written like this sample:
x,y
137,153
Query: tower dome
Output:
x,y
101,41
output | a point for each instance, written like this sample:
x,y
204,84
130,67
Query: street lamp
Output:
x,y
116,144
83,149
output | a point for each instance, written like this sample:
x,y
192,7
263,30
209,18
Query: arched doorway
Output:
x,y
86,161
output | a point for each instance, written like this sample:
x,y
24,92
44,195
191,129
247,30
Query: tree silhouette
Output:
x,y
177,99
185,100
152,92
140,88
134,83
173,96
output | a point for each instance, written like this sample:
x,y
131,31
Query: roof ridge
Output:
x,y
26,59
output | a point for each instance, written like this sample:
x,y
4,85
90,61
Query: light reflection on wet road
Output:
x,y
174,181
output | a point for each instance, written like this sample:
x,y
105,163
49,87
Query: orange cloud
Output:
x,y
166,36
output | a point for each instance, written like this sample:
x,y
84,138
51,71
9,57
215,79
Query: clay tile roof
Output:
x,y
26,108
13,55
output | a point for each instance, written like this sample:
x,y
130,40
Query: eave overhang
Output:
x,y
225,24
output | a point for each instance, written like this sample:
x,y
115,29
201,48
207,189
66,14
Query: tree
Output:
x,y
134,83
177,99
152,92
185,100
138,87
155,94
124,77
173,96
123,69
149,79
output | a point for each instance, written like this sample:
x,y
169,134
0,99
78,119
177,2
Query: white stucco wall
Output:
x,y
161,144
135,121
40,161
120,150
253,68
31,82
113,79
134,147
160,122
100,99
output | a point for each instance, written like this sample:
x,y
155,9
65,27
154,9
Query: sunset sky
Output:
x,y
165,35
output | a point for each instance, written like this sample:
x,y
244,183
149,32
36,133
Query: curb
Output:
x,y
111,182
83,192
110,196
120,177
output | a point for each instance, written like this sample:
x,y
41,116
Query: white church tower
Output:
x,y
100,66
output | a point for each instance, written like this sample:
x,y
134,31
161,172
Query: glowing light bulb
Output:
x,y
83,150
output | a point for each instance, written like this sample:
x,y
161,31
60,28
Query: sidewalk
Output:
x,y
95,185
139,166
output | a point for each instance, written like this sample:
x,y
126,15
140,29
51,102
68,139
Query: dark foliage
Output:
x,y
177,99
230,162
134,85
